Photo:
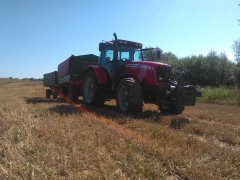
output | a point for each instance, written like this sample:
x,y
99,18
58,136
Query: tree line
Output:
x,y
30,79
210,70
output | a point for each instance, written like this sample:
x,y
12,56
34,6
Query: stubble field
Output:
x,y
51,139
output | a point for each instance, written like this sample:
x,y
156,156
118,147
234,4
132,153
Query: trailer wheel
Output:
x,y
129,95
91,91
48,93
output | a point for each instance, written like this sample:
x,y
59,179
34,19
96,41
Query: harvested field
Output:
x,y
41,138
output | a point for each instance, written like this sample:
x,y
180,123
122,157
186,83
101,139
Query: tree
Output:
x,y
166,56
236,49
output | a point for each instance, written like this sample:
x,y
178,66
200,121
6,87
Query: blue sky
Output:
x,y
36,35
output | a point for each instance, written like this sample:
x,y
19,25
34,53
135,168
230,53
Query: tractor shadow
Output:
x,y
151,116
40,100
111,112
65,110
61,108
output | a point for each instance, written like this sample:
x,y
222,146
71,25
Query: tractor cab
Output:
x,y
115,54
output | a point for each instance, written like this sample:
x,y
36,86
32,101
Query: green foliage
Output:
x,y
211,70
236,49
222,95
237,75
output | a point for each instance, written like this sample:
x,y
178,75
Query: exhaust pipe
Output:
x,y
115,36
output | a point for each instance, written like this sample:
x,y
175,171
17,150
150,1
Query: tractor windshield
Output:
x,y
128,53
148,54
137,55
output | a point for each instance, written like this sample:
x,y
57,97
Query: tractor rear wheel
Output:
x,y
129,95
91,91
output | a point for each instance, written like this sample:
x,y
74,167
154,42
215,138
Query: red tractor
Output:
x,y
129,74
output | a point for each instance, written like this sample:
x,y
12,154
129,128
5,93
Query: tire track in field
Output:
x,y
223,133
210,122
212,138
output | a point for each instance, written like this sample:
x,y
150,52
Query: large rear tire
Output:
x,y
91,91
129,96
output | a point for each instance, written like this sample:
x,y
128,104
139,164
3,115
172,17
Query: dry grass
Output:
x,y
51,139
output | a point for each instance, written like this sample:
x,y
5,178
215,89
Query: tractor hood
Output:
x,y
146,65
151,73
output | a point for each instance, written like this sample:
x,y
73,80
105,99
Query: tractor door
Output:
x,y
123,57
107,60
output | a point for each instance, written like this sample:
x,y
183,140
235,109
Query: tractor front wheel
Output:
x,y
171,108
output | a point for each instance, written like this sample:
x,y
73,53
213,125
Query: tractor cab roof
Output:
x,y
125,43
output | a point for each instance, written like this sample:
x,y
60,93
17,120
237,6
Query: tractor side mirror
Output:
x,y
159,52
101,47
